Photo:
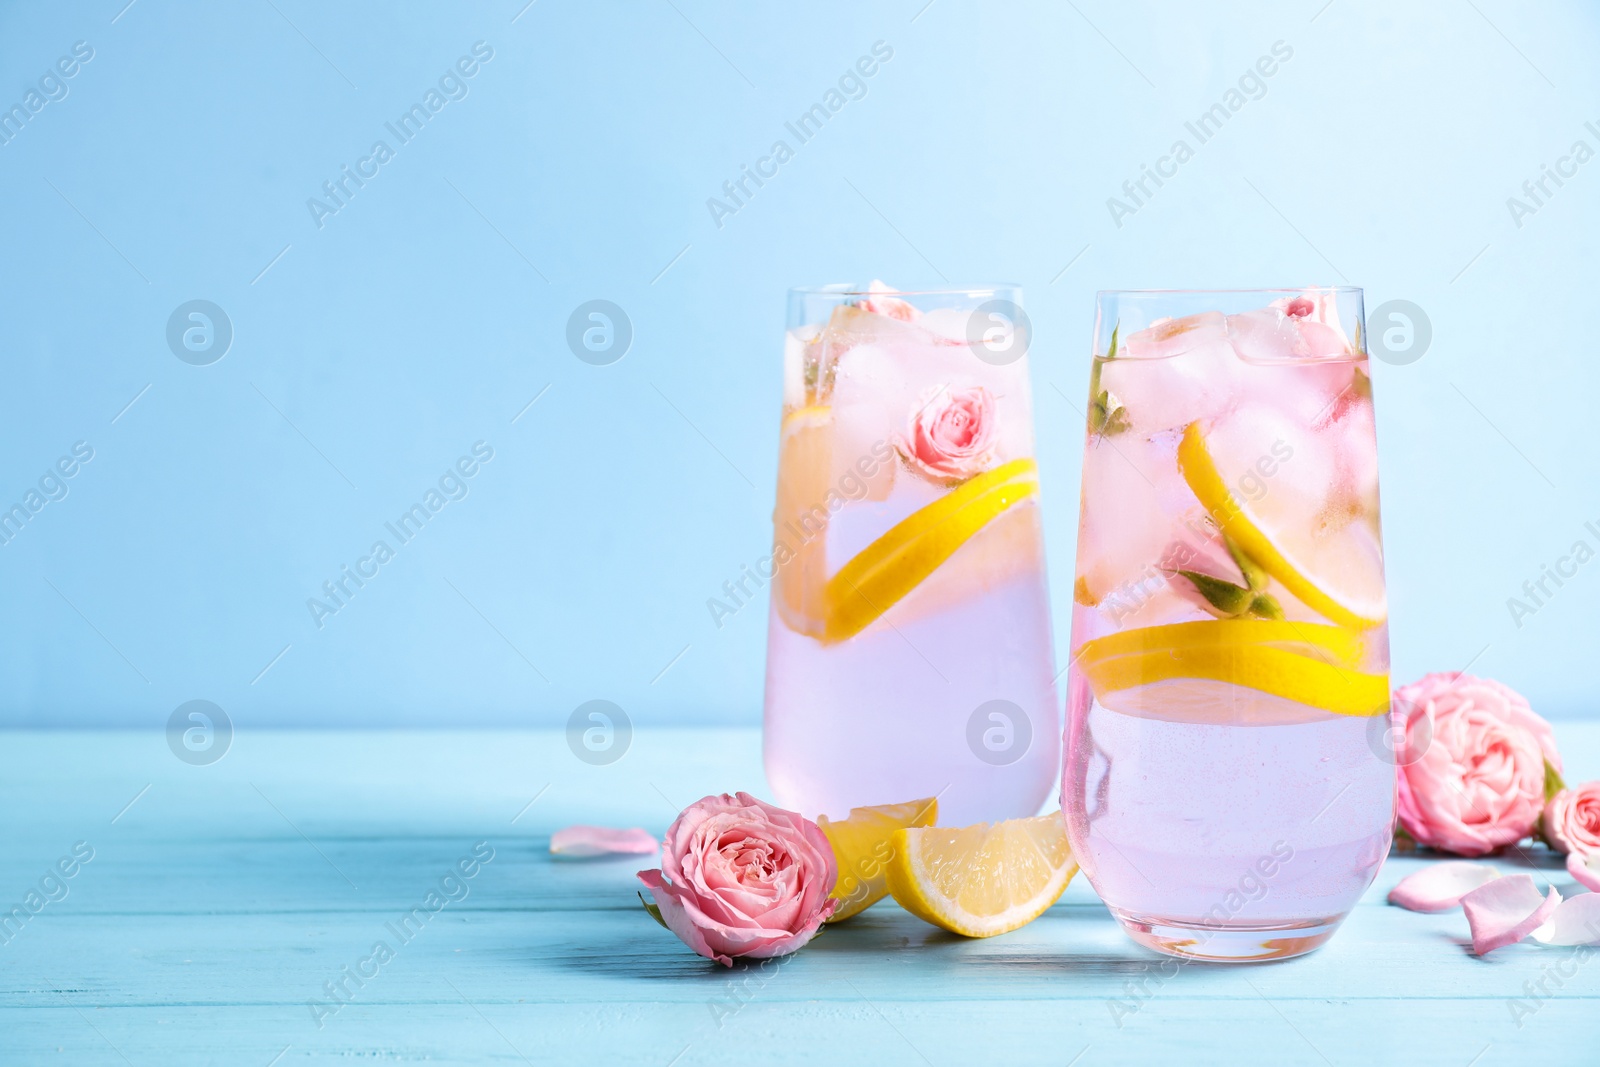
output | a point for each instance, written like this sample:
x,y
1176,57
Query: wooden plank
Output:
x,y
221,902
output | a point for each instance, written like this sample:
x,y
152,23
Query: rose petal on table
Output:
x,y
1574,922
1506,910
582,842
1586,869
1440,886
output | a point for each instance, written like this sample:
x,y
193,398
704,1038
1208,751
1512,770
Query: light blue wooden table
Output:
x,y
222,901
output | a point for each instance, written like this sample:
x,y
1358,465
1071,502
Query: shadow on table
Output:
x,y
1082,939
1525,857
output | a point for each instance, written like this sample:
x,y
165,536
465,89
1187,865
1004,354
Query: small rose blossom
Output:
x,y
740,877
881,303
1314,322
1572,820
1477,779
950,436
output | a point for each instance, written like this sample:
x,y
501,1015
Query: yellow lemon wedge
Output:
x,y
862,845
898,561
1188,671
804,461
1336,569
985,879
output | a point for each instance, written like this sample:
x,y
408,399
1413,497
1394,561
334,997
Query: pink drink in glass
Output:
x,y
909,648
1227,787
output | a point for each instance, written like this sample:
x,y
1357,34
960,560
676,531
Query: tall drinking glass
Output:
x,y
1227,786
909,651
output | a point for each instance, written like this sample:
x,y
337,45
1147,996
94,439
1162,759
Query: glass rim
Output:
x,y
1178,292
853,289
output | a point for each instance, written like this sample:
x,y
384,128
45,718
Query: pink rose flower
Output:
x,y
1572,820
951,433
1477,779
881,303
740,877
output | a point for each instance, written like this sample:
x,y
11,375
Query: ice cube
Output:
x,y
1272,461
1266,335
1129,485
800,353
1355,444
1169,392
1173,337
948,325
1310,393
1304,327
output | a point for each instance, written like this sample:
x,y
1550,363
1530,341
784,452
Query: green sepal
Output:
x,y
655,912
1553,782
1266,606
1255,576
1229,599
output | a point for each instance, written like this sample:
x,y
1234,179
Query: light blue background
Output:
x,y
379,347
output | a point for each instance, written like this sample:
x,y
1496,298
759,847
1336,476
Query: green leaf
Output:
x,y
1361,385
1553,782
1106,416
1229,599
655,912
1255,576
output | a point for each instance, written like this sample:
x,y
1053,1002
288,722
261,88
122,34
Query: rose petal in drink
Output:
x,y
1198,549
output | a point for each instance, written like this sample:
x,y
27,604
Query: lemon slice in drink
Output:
x,y
1331,644
1301,680
1335,568
1190,672
982,880
897,562
862,846
800,519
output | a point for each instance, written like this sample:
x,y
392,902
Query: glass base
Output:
x,y
1229,944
